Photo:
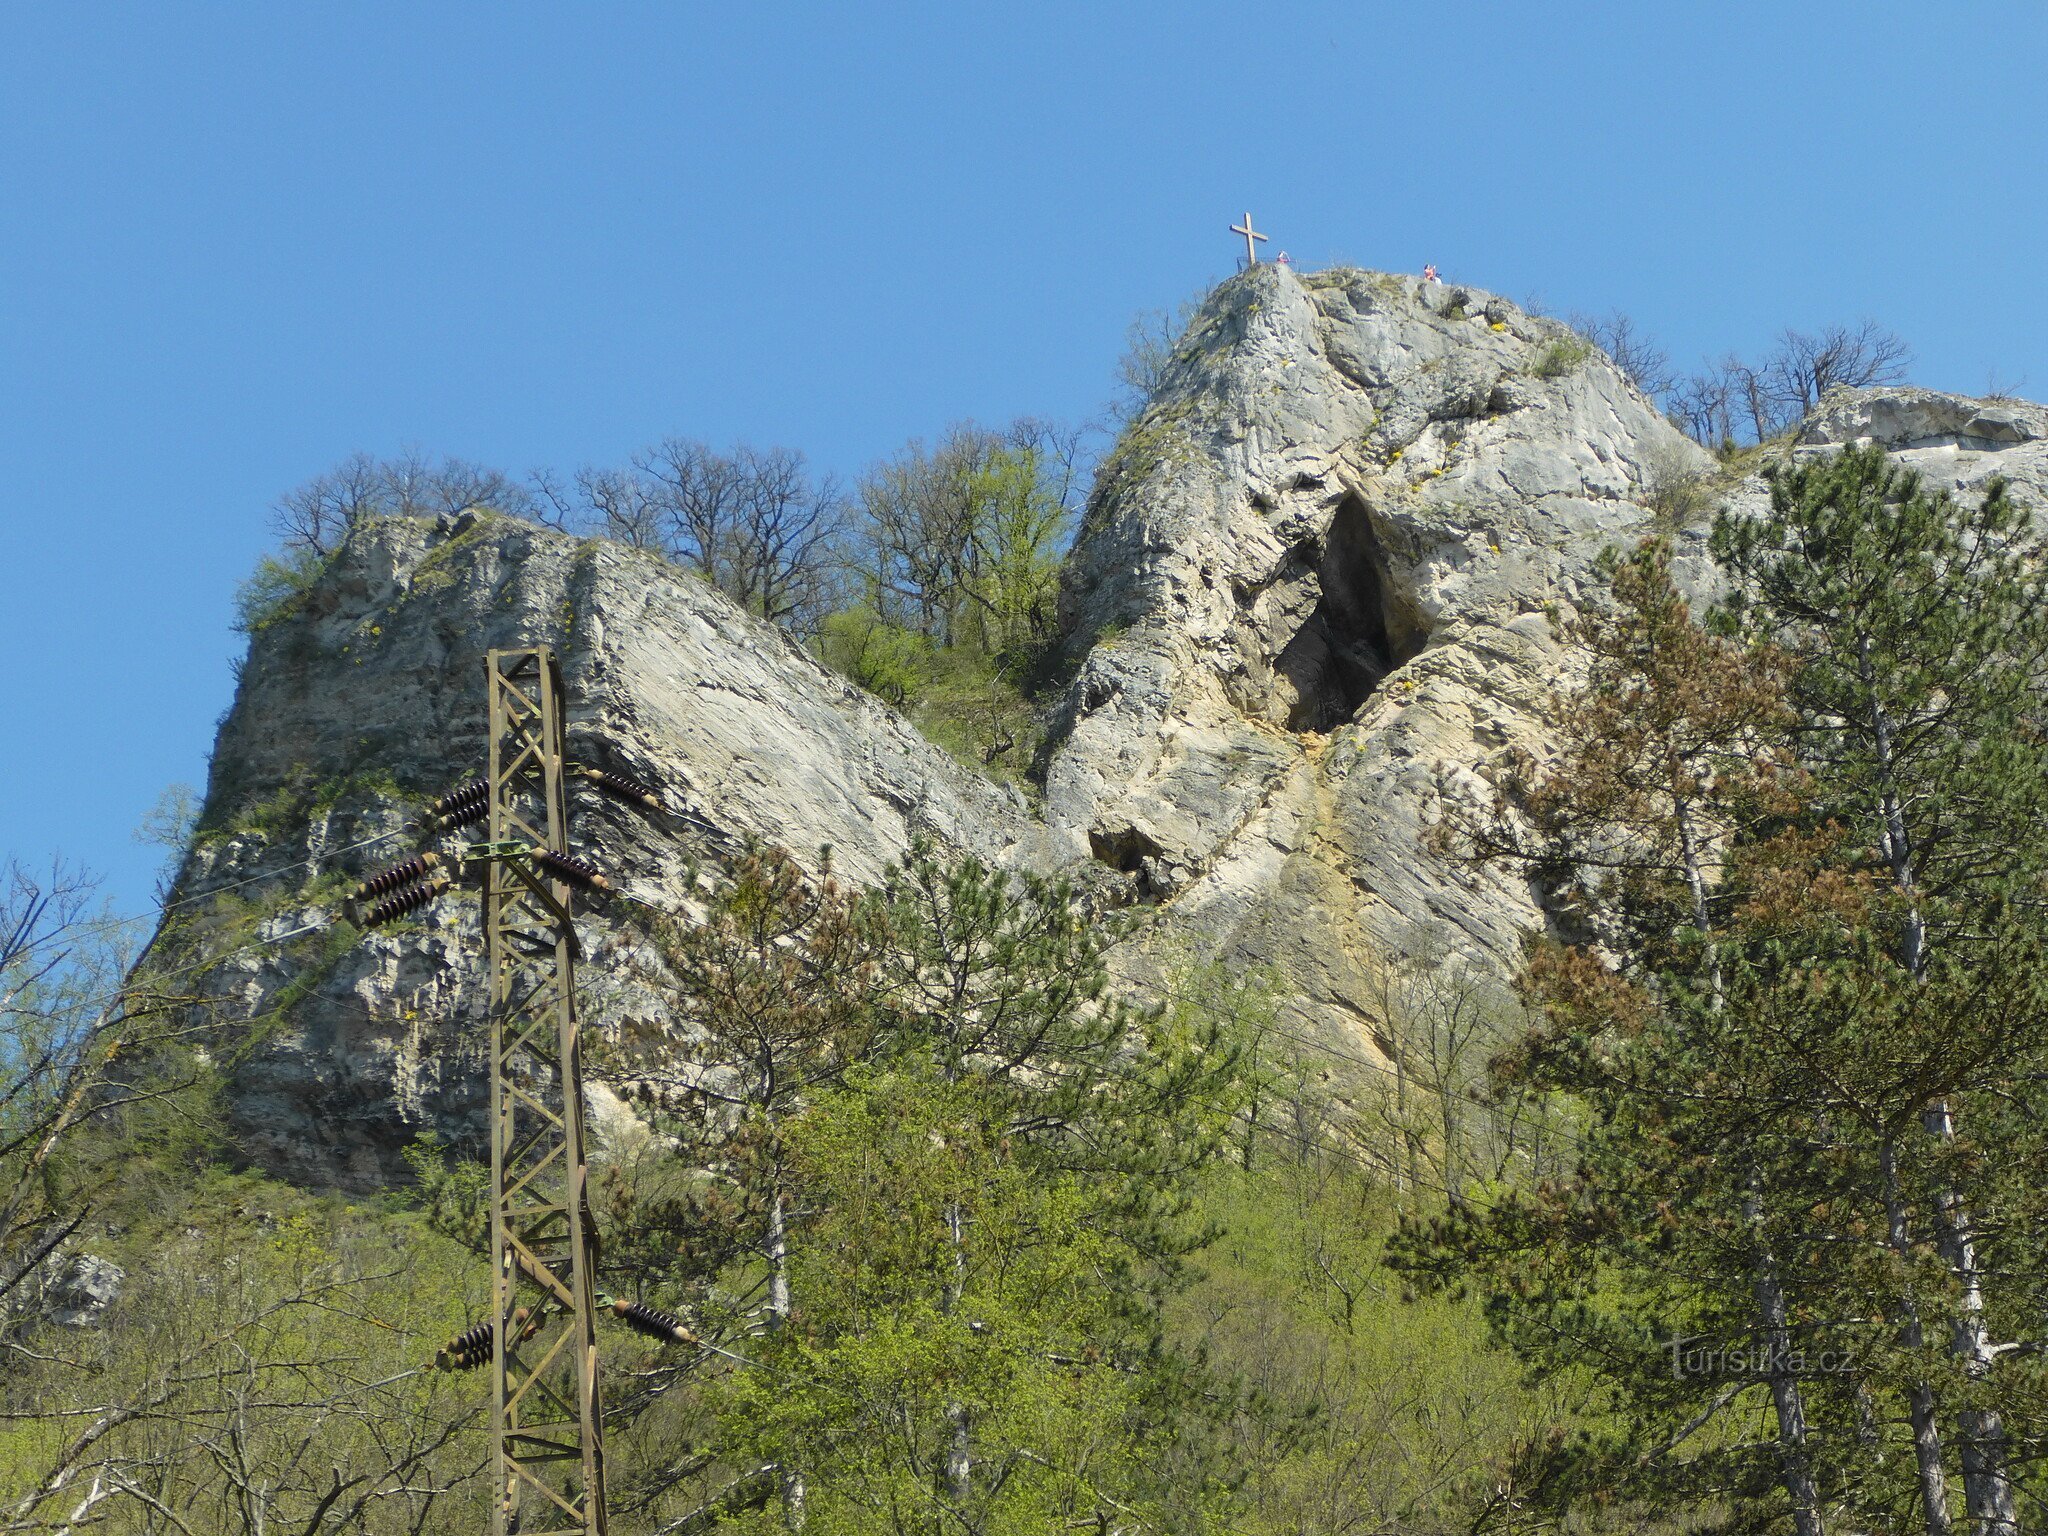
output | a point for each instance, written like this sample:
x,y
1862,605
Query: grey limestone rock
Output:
x,y
1332,557
81,1290
369,700
1322,580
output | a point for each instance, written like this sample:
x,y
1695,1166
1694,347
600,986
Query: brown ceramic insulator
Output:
x,y
569,868
653,1322
622,787
385,881
463,804
467,1350
472,1348
462,816
407,900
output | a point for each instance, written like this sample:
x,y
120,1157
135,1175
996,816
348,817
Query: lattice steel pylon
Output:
x,y
545,1411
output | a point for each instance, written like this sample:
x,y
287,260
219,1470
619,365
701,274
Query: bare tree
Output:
x,y
1642,362
916,514
1149,345
777,561
698,491
316,516
1805,367
457,485
1702,405
65,1018
1066,456
625,506
1770,397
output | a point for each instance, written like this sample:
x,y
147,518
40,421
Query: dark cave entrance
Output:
x,y
1362,627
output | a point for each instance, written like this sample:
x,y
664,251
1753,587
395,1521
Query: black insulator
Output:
x,y
462,816
388,880
463,804
472,1348
467,1350
620,785
653,1322
407,900
566,866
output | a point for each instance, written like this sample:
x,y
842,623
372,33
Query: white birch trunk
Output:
x,y
957,1472
790,1479
1919,1396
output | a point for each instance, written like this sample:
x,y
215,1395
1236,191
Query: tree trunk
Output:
x,y
790,1479
957,1471
1785,1394
1987,1491
1919,1396
1786,1397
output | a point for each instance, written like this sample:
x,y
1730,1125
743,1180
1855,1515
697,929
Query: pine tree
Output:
x,y
1669,759
1920,629
776,994
935,1189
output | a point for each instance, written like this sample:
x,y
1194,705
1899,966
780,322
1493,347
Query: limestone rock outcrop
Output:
x,y
1324,574
368,699
1332,556
1953,442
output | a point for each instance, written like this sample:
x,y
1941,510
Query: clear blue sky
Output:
x,y
238,242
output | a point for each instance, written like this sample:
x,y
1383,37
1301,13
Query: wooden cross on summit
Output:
x,y
1251,252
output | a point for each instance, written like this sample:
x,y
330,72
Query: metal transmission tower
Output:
x,y
550,1460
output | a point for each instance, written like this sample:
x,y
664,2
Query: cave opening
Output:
x,y
1362,628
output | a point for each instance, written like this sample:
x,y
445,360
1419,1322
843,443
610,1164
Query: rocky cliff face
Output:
x,y
369,700
1331,557
1329,561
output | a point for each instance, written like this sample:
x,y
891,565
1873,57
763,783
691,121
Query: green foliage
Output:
x,y
953,1191
1796,997
957,552
284,1330
276,590
453,1193
259,1368
957,1285
1680,496
1560,356
889,661
1371,1410
960,697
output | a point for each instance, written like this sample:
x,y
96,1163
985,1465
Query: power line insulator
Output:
x,y
620,787
653,1322
410,899
467,802
569,868
467,1350
472,1348
397,876
461,816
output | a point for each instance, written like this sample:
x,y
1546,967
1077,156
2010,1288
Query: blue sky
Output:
x,y
238,242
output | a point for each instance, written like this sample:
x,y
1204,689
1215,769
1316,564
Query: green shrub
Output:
x,y
887,660
1678,495
275,590
1561,357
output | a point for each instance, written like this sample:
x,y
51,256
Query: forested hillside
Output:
x,y
1457,961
